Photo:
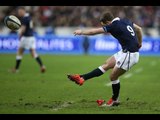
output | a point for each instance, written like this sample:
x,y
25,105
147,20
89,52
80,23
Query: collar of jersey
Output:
x,y
27,14
117,18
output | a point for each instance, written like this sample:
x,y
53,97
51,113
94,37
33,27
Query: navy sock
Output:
x,y
115,90
18,61
38,59
95,73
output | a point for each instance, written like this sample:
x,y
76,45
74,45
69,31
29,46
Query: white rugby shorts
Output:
x,y
27,42
126,60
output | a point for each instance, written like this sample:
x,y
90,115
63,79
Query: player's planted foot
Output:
x,y
43,69
110,103
76,78
13,70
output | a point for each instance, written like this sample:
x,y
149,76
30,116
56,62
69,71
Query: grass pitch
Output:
x,y
31,92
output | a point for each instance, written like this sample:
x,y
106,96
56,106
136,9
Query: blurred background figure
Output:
x,y
27,40
86,45
49,31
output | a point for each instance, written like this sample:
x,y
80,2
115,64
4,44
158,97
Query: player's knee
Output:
x,y
20,52
113,77
32,55
106,66
35,55
109,64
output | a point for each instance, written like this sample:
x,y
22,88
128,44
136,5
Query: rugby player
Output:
x,y
129,35
27,40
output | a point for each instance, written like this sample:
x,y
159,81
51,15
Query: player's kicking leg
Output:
x,y
80,79
38,59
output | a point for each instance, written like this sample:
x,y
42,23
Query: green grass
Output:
x,y
30,92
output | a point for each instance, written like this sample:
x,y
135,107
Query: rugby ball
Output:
x,y
12,22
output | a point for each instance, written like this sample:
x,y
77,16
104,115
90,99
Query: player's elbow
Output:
x,y
139,29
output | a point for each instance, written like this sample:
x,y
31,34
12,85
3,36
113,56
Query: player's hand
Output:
x,y
77,32
139,46
20,36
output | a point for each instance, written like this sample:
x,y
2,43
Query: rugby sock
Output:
x,y
38,59
115,89
95,73
18,61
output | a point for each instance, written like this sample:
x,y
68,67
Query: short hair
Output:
x,y
21,7
106,16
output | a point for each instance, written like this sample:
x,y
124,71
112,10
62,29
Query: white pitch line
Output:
x,y
125,76
128,75
64,105
108,84
153,63
139,70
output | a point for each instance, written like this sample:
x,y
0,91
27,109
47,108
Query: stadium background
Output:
x,y
54,26
31,92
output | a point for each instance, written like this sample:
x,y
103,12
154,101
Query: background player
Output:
x,y
27,40
129,36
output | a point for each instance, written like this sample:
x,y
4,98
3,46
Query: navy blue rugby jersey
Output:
x,y
123,31
27,21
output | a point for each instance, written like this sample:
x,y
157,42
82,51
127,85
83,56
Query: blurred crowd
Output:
x,y
145,16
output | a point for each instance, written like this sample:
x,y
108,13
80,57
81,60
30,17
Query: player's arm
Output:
x,y
138,31
92,31
21,30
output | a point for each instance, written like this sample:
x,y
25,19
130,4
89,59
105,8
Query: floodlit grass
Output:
x,y
31,92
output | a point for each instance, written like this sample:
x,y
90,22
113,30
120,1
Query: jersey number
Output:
x,y
130,29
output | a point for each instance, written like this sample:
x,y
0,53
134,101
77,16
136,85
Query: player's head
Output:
x,y
21,11
106,18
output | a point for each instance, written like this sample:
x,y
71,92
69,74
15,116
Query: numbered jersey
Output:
x,y
27,21
123,31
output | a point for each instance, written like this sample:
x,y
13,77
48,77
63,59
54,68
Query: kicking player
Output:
x,y
129,35
27,40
